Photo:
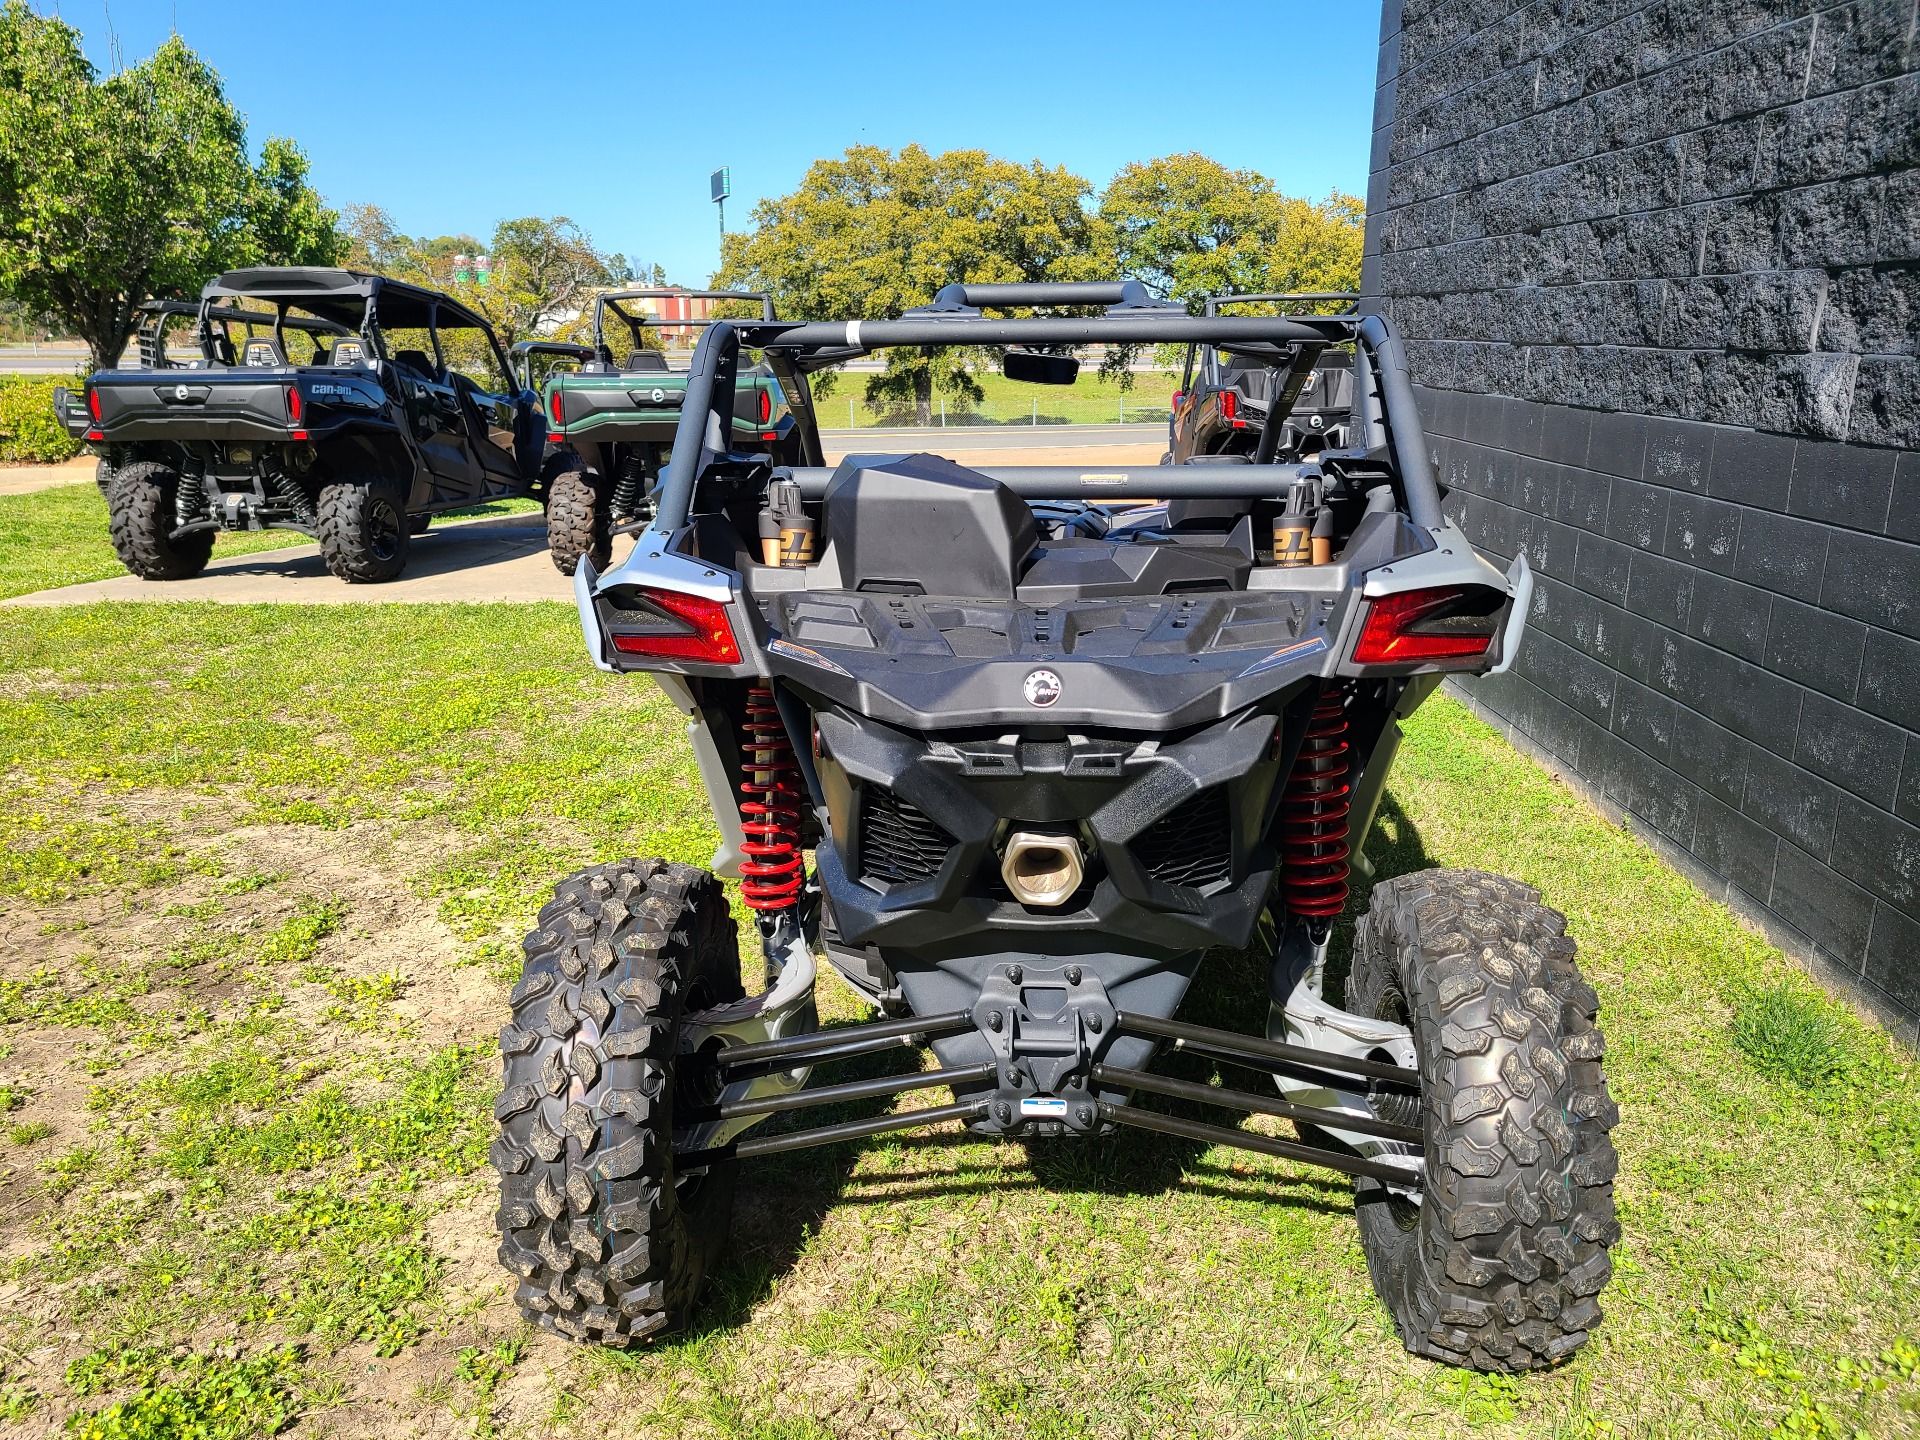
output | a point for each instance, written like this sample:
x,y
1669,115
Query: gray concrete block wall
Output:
x,y
1658,266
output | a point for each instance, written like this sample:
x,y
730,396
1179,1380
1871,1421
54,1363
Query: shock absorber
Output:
x,y
190,499
1313,816
627,483
770,810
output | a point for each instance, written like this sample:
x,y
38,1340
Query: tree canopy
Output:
x,y
875,233
117,189
1189,226
534,277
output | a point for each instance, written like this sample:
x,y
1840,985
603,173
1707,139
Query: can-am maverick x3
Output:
x,y
1047,751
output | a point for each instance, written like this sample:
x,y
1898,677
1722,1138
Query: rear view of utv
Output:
x,y
1048,751
612,421
348,407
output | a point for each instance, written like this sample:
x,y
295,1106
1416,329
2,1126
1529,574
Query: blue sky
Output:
x,y
455,116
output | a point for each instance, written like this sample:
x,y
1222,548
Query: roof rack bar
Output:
x,y
1111,482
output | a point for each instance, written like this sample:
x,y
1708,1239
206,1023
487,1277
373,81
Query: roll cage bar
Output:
x,y
1387,422
609,300
1215,303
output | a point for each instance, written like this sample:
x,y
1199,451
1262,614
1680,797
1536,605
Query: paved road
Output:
x,y
994,437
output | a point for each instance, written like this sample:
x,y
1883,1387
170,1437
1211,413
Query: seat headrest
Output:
x,y
263,351
646,362
347,352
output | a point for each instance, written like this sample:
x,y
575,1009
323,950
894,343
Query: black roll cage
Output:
x,y
1387,421
609,300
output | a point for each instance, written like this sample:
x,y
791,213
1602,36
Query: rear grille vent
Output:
x,y
1193,846
899,842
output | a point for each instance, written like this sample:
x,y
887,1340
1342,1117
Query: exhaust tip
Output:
x,y
1041,869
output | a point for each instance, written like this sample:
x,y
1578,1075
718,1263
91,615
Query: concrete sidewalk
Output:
x,y
498,558
504,557
25,479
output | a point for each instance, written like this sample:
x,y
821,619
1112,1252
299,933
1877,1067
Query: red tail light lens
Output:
x,y
707,635
766,407
1448,622
93,404
293,404
558,419
1229,405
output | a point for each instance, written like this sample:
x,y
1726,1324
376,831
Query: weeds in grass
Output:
x,y
199,1398
297,940
1792,1035
363,998
484,1370
31,1133
250,882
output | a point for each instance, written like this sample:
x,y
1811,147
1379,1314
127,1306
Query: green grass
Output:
x,y
58,536
1093,399
266,869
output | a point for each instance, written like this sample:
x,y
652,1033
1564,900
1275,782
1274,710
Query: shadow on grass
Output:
x,y
783,1200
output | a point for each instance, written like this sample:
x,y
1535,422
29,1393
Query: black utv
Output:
x,y
1013,757
1221,408
349,407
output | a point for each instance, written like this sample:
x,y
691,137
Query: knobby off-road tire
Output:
x,y
1500,1265
363,530
609,1243
140,517
579,516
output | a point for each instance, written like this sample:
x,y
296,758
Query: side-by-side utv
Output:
x,y
611,422
349,407
1047,747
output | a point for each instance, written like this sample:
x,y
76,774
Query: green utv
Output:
x,y
610,424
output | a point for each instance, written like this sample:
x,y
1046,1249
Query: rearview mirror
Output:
x,y
1040,369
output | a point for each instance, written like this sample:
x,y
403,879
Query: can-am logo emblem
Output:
x,y
659,396
1042,688
180,392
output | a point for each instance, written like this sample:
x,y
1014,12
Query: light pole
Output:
x,y
721,183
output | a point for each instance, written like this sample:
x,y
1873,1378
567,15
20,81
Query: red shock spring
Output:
x,y
770,812
1313,816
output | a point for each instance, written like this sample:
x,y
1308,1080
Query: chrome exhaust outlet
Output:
x,y
1041,869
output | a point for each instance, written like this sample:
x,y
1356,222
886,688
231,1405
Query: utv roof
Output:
x,y
342,296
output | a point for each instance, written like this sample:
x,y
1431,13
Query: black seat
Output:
x,y
416,361
263,352
645,362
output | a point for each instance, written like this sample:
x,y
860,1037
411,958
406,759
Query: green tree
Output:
x,y
113,190
135,185
539,275
874,233
1189,226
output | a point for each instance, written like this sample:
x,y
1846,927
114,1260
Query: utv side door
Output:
x,y
499,418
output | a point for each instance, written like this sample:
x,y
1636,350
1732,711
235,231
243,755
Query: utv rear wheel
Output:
x,y
609,1242
141,520
579,517
1500,1263
364,530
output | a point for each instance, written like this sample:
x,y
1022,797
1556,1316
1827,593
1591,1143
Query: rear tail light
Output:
x,y
1448,622
703,632
1229,405
93,403
558,419
293,404
766,407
